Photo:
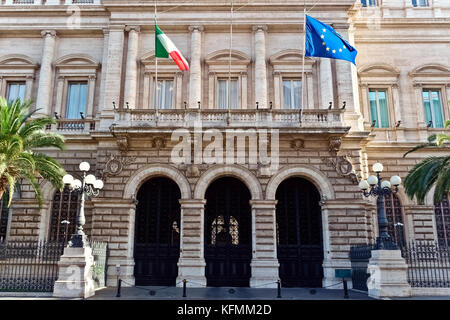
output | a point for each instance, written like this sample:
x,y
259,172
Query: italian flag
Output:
x,y
165,48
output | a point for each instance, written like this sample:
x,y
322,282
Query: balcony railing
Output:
x,y
230,118
76,126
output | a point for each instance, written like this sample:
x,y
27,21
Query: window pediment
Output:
x,y
378,74
291,61
431,70
77,61
164,65
222,57
17,61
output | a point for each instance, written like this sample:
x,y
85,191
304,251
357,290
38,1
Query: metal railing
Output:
x,y
29,266
428,264
32,266
68,126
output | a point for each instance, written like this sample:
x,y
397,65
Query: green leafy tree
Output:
x,y
20,136
432,171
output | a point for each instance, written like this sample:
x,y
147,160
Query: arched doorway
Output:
x,y
228,233
157,233
299,234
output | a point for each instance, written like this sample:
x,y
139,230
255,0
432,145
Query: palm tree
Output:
x,y
19,137
430,171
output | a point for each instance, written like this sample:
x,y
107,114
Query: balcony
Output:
x,y
315,120
73,126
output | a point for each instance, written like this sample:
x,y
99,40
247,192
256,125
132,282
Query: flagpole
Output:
x,y
229,63
303,61
156,68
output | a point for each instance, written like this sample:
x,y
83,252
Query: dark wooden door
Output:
x,y
299,234
157,233
228,246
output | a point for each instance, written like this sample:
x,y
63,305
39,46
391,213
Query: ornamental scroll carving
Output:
x,y
115,165
343,163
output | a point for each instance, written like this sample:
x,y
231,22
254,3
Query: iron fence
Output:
x,y
32,266
29,266
428,264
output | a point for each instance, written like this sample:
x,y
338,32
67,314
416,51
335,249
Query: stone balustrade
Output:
x,y
177,118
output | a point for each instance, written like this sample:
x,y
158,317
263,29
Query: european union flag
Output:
x,y
323,41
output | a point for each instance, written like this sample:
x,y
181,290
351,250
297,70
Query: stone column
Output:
x,y
309,99
113,76
195,72
277,90
103,76
131,71
179,90
347,84
388,274
29,87
326,83
45,76
211,90
264,244
244,90
191,265
59,105
260,66
91,91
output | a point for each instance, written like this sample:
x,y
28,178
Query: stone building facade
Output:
x,y
351,118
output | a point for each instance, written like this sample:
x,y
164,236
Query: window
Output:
x,y
442,215
4,215
76,100
394,215
420,3
165,94
292,94
64,208
433,108
227,95
369,3
378,108
16,90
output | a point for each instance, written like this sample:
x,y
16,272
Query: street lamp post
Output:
x,y
373,186
90,186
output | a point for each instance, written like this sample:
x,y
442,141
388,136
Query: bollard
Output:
x,y
119,286
279,288
345,289
184,288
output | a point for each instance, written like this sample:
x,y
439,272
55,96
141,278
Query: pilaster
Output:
x,y
264,244
191,265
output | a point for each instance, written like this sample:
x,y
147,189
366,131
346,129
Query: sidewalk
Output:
x,y
174,293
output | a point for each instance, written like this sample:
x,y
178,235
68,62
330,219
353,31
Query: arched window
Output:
x,y
219,233
4,213
64,208
394,215
442,214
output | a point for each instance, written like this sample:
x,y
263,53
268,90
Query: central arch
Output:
x,y
299,233
157,233
228,233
